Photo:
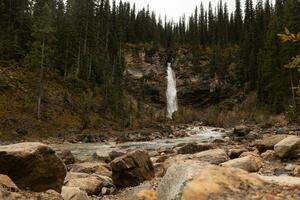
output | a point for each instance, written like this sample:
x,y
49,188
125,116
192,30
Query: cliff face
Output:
x,y
145,75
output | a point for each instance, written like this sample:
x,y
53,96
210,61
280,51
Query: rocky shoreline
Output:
x,y
247,162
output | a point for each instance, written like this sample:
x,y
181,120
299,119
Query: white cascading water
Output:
x,y
171,92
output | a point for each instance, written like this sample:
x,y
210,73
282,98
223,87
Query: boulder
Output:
x,y
91,168
288,147
214,182
171,185
32,165
73,193
92,185
268,142
213,156
241,131
192,148
132,169
248,163
67,157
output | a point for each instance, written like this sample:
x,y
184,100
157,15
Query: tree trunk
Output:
x,y
85,38
40,83
90,67
293,90
78,59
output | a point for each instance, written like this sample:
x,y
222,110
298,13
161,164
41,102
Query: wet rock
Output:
x,y
248,163
91,168
73,193
67,157
288,147
214,182
268,142
269,155
241,131
32,165
191,148
132,169
6,182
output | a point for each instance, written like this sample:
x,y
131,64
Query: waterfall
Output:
x,y
171,92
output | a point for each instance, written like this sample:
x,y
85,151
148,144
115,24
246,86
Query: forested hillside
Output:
x,y
75,50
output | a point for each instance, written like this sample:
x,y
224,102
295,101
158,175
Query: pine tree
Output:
x,y
42,46
238,21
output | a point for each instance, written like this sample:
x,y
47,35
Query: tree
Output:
x,y
15,23
295,61
41,48
238,21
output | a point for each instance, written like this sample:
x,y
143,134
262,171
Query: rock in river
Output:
x,y
132,169
32,165
191,148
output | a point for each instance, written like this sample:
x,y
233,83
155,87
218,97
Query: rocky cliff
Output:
x,y
197,84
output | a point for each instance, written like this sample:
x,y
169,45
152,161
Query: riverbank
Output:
x,y
246,162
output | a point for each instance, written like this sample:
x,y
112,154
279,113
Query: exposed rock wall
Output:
x,y
145,76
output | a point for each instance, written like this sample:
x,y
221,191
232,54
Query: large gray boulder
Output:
x,y
172,184
288,147
132,169
33,166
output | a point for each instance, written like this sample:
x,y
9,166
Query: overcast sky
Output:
x,y
176,8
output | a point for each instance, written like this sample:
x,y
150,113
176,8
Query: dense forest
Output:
x,y
84,40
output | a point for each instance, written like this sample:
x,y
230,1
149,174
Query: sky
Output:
x,y
173,9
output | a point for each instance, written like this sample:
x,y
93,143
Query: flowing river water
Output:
x,y
198,134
